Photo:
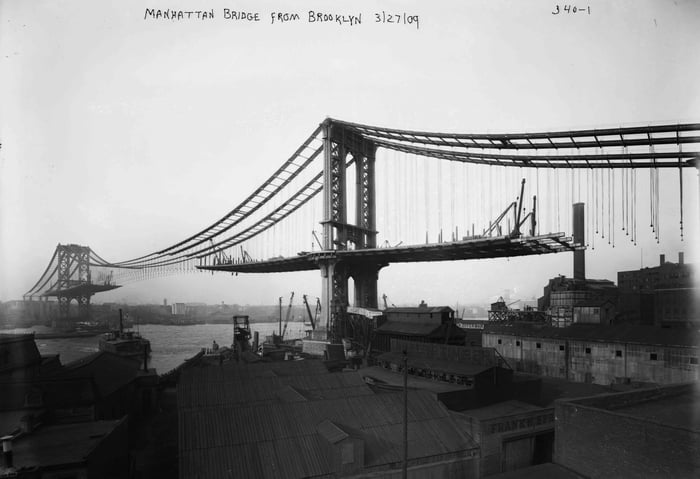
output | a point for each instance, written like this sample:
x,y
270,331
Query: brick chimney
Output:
x,y
662,260
580,238
680,257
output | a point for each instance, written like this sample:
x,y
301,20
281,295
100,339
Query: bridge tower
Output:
x,y
73,271
341,147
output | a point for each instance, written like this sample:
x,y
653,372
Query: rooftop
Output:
x,y
110,371
548,470
61,444
501,409
390,380
452,367
262,440
194,392
622,333
672,405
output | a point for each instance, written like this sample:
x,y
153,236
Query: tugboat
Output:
x,y
125,343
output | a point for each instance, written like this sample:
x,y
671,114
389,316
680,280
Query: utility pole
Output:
x,y
280,329
405,415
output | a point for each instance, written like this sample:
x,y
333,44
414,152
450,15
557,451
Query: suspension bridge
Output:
x,y
354,198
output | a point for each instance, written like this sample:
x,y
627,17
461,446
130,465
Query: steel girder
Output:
x,y
73,270
338,234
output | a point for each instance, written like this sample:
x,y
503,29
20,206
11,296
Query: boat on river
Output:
x,y
125,343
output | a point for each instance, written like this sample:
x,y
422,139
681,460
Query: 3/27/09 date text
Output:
x,y
398,18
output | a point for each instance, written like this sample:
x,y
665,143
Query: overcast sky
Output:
x,y
129,134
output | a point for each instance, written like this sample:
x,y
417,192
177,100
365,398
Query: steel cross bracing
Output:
x,y
624,147
68,277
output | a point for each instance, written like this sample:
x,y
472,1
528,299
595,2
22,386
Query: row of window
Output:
x,y
618,352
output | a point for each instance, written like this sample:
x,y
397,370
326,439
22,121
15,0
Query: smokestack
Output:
x,y
680,257
662,260
580,238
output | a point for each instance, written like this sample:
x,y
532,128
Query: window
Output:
x,y
561,347
517,343
588,350
500,342
652,356
539,345
693,360
618,354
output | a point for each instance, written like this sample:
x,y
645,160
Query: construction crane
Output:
x,y
312,319
289,314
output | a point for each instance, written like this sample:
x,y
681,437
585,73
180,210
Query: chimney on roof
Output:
x,y
579,238
680,257
662,260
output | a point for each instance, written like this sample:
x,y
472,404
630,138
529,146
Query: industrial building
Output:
x,y
564,298
664,295
600,355
422,324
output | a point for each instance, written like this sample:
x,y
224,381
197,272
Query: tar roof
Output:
x,y
623,333
501,409
61,444
196,391
270,438
110,372
422,362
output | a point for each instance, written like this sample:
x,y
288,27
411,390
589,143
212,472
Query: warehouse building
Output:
x,y
421,324
600,355
664,295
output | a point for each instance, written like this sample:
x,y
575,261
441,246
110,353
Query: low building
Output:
x,y
422,324
601,311
651,432
123,386
86,450
600,355
511,435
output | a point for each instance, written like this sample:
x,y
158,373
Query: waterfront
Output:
x,y
171,345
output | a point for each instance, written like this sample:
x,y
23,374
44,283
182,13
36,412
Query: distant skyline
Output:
x,y
129,135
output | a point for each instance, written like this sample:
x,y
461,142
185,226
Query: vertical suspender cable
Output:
x,y
680,191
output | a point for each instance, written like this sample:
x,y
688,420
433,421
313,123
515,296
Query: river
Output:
x,y
170,345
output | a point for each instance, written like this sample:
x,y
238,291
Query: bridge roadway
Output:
x,y
473,248
85,289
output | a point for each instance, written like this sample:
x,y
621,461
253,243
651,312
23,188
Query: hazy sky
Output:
x,y
128,135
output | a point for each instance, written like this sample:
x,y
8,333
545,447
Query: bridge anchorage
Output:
x,y
68,277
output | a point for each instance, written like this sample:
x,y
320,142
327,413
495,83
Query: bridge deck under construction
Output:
x,y
476,248
81,290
